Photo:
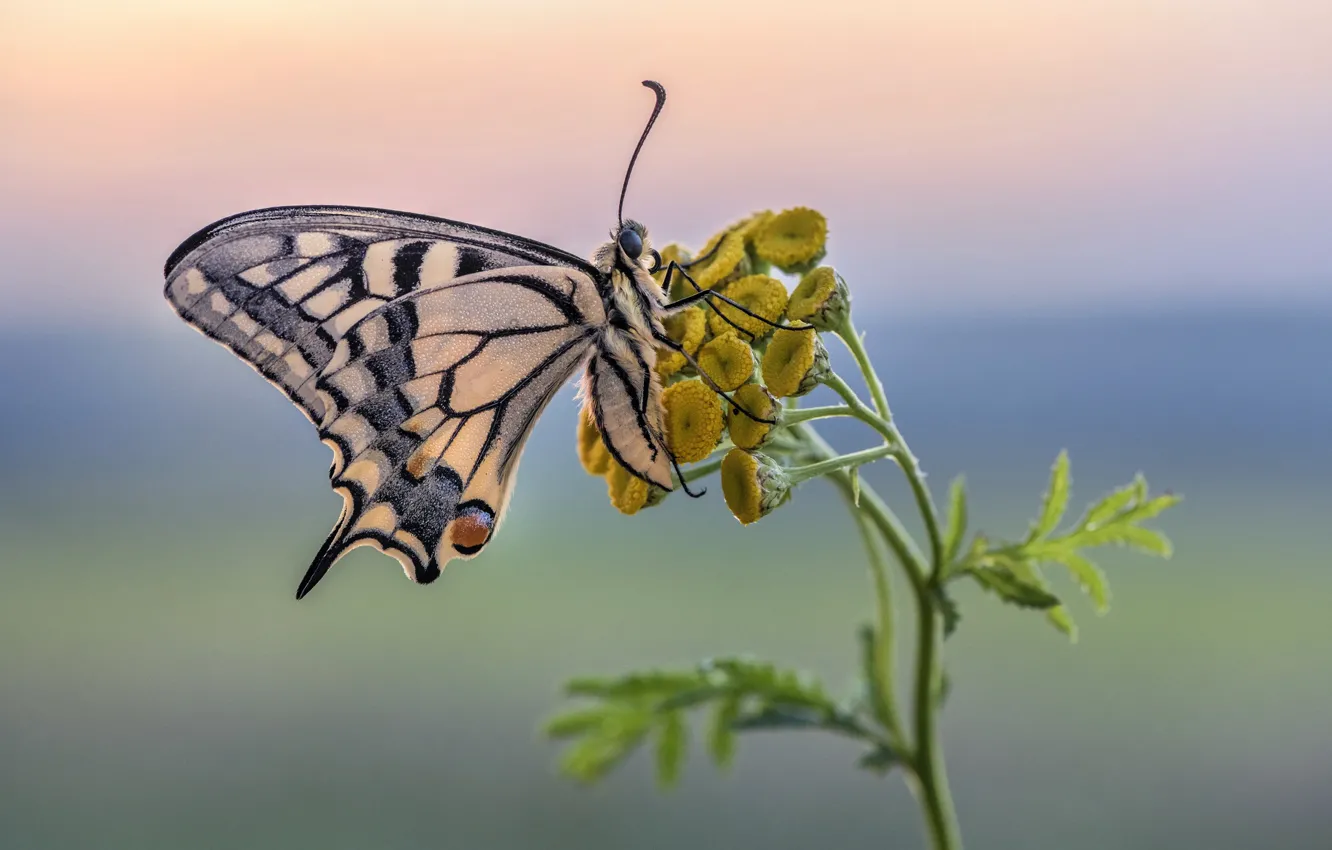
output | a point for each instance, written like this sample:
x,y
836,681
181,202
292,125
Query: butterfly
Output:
x,y
424,350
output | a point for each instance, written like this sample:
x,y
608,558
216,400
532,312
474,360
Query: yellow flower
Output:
x,y
693,420
745,432
753,484
794,363
793,240
719,266
821,299
592,453
628,493
672,251
687,327
727,360
759,294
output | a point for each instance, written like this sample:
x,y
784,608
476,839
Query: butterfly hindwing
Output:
x,y
280,286
625,399
429,400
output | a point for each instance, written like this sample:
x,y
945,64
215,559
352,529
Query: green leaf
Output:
x,y
1056,500
593,756
1112,504
779,717
653,683
879,760
1061,620
948,609
1133,536
571,724
672,741
721,734
1004,582
1088,576
1151,507
855,486
957,520
871,666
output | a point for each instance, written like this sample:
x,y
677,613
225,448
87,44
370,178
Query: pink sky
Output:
x,y
970,155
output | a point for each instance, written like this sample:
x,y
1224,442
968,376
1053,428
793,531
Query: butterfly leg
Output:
x,y
712,385
702,294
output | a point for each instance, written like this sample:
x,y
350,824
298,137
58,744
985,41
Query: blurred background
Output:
x,y
1100,226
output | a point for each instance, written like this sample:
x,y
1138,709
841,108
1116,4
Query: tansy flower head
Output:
x,y
693,420
728,360
793,240
794,363
821,299
759,294
753,484
719,261
748,433
687,327
592,453
629,493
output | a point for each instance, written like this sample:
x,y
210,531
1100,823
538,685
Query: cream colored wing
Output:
x,y
280,286
623,392
428,402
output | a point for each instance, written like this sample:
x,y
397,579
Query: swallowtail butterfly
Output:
x,y
423,350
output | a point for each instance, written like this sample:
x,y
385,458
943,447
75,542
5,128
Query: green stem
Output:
x,y
847,333
796,415
837,462
931,776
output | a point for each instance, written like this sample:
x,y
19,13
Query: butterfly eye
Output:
x,y
631,243
656,262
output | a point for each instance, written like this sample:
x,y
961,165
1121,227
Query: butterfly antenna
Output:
x,y
656,110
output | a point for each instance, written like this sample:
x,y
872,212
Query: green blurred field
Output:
x,y
161,687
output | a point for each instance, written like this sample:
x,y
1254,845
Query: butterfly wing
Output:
x,y
423,350
429,400
280,286
621,388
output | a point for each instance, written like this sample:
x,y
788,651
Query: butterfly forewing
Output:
x,y
281,286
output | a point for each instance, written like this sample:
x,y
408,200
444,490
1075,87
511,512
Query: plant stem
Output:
x,y
935,795
836,462
851,339
930,773
795,415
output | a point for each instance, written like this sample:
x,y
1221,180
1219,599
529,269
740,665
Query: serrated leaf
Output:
x,y
1151,507
1087,575
571,724
957,520
1136,537
647,684
1109,506
672,741
871,667
593,756
948,610
1061,620
1011,588
721,734
879,760
779,717
1056,499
